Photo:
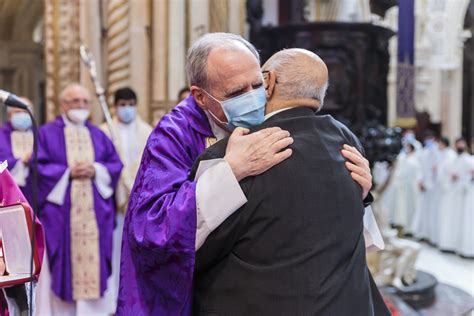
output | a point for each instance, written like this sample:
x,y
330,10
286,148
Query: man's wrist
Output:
x,y
237,172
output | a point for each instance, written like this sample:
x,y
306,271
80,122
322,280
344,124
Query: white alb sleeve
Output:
x,y
103,181
372,235
20,173
218,195
58,193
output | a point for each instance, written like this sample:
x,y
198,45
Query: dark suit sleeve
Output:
x,y
222,240
219,243
355,142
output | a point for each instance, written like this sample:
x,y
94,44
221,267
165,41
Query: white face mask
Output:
x,y
78,116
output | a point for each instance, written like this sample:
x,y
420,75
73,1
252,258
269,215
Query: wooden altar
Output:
x,y
357,57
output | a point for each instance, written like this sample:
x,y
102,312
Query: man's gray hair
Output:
x,y
196,61
295,81
65,91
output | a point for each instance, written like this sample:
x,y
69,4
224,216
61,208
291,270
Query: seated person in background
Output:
x,y
297,246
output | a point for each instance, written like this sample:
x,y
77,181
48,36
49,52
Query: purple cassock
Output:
x,y
6,152
158,247
6,145
52,163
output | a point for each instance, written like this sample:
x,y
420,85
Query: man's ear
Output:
x,y
198,96
270,80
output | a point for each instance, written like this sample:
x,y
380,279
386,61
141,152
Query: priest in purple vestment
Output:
x,y
16,145
169,216
78,172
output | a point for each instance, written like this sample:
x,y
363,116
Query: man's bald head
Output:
x,y
296,74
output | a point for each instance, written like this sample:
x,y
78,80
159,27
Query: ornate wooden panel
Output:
x,y
357,57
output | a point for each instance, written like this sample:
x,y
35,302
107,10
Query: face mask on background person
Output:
x,y
127,113
429,143
21,121
245,110
78,116
409,138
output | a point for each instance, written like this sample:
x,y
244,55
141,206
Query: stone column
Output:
x,y
61,39
118,45
140,48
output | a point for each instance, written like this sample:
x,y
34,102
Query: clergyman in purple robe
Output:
x,y
16,145
78,172
170,216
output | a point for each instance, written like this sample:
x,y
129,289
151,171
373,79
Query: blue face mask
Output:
x,y
429,143
246,110
21,121
127,113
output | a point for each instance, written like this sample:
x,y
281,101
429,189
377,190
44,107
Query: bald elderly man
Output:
x,y
78,172
297,246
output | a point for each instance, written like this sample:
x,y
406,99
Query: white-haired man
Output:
x,y
170,216
78,171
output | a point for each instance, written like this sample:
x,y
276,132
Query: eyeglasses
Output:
x,y
78,101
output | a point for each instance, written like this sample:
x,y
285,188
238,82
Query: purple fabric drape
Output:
x,y
158,247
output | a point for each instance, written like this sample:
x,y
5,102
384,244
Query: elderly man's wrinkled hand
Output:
x,y
253,154
359,168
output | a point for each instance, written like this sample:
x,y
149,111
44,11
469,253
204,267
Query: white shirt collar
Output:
x,y
276,112
218,131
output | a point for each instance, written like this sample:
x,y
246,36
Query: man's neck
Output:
x,y
278,104
218,131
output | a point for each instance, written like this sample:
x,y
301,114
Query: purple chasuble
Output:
x,y
52,163
158,246
6,153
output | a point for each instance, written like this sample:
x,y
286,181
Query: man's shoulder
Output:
x,y
52,125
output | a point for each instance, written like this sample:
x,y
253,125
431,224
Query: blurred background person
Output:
x,y
455,177
467,238
16,144
132,135
406,179
428,162
183,93
78,172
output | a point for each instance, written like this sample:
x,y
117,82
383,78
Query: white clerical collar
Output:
x,y
70,123
276,112
218,131
122,125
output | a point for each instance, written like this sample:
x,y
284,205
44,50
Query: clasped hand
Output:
x,y
83,170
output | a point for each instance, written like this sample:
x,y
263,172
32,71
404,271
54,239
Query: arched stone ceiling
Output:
x,y
18,19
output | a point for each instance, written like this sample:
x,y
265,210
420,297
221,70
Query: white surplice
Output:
x,y
444,155
421,226
451,221
406,178
467,237
130,144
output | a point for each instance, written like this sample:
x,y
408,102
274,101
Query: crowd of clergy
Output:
x,y
84,172
429,192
